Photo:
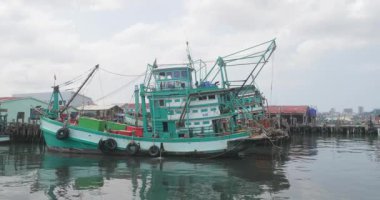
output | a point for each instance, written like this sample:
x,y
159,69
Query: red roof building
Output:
x,y
293,114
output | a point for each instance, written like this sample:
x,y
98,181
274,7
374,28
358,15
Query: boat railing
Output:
x,y
152,88
202,132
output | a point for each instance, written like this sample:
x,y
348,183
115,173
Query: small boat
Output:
x,y
4,139
192,111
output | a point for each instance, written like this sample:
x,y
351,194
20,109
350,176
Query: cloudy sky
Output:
x,y
327,55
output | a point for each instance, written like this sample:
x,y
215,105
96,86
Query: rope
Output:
x,y
266,135
75,79
264,132
271,83
101,87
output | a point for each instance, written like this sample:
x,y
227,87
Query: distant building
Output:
x,y
130,108
360,110
375,115
348,111
332,111
106,112
79,100
294,114
375,112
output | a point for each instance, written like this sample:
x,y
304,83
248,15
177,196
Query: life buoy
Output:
x,y
132,148
108,145
154,151
62,133
101,145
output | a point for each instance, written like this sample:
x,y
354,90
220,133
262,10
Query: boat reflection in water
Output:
x,y
28,172
142,178
307,168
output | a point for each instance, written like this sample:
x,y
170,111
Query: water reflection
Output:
x,y
304,164
57,176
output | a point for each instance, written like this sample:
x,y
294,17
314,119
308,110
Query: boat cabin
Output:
x,y
176,78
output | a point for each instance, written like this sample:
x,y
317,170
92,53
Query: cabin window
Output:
x,y
177,84
177,74
162,85
169,75
170,112
165,126
188,123
177,100
206,122
195,111
168,101
213,109
170,85
196,123
211,97
202,98
184,74
161,102
161,75
204,110
178,111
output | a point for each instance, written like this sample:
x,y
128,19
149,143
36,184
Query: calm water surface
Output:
x,y
310,167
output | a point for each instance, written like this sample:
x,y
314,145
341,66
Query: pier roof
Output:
x,y
3,99
97,107
287,109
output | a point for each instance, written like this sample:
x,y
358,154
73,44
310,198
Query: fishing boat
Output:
x,y
4,137
194,110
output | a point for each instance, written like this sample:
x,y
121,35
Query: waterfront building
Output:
x,y
23,108
108,112
294,115
79,100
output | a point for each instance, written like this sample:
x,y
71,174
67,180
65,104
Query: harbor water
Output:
x,y
308,167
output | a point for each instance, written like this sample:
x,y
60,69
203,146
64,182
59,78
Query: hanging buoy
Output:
x,y
132,148
154,151
62,133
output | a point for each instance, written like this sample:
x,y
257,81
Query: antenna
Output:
x,y
191,62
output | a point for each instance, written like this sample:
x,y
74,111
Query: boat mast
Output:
x,y
191,62
137,105
80,87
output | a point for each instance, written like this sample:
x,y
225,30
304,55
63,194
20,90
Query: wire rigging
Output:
x,y
120,88
271,83
75,79
118,74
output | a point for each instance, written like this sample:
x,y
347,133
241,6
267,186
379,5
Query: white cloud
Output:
x,y
44,37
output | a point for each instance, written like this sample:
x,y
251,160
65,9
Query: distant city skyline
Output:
x,y
326,55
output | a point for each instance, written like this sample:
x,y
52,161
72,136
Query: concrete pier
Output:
x,y
334,129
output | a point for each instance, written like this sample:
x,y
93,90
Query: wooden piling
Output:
x,y
25,133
